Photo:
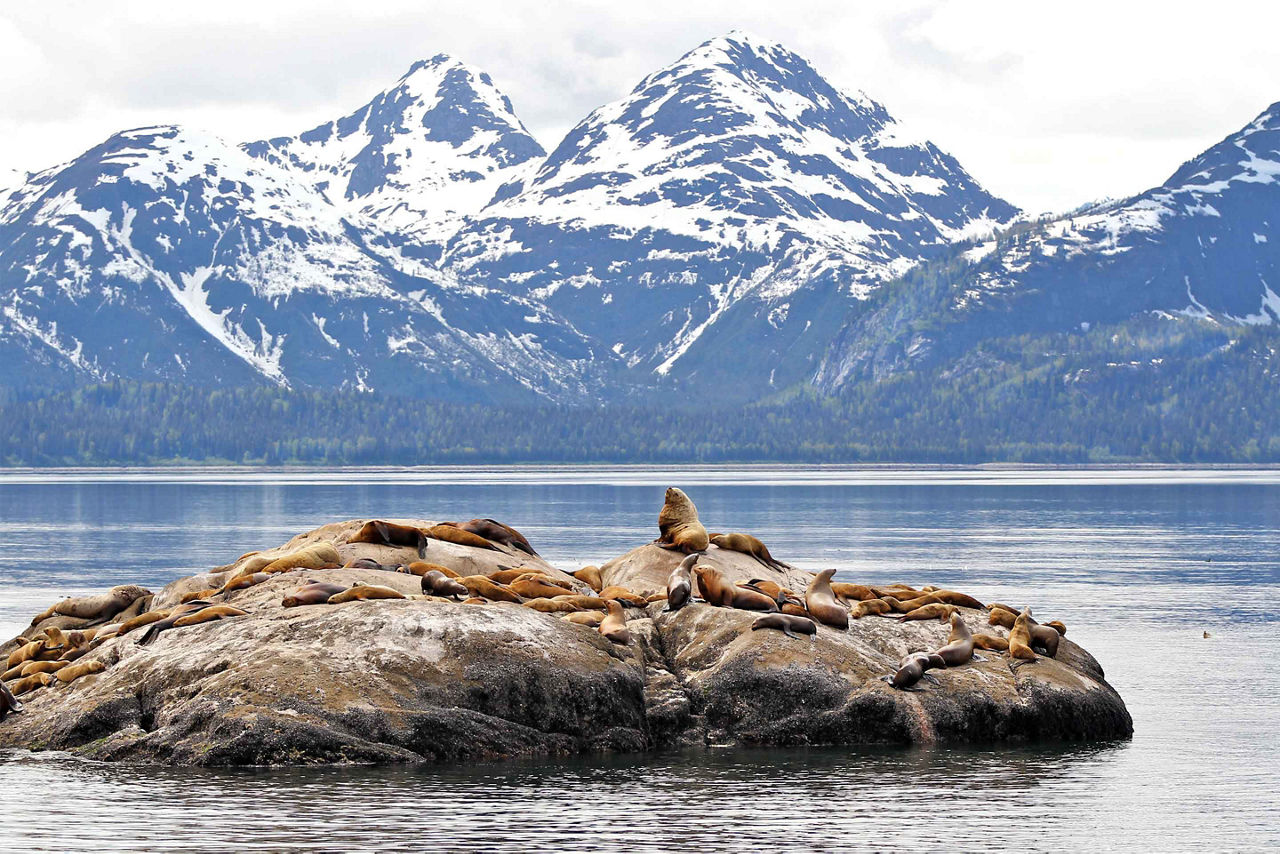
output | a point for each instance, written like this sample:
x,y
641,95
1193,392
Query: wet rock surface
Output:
x,y
414,680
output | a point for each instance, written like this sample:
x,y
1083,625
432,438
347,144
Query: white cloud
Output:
x,y
1046,104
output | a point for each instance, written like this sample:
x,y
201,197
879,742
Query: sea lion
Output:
x,y
678,525
508,574
382,533
320,555
951,597
1002,607
680,584
533,587
480,585
369,563
858,592
656,596
243,582
586,618
142,620
422,567
898,591
822,603
935,611
614,626
30,683
459,537
1058,626
362,592
1041,635
550,606
628,597
207,615
153,631
475,600
436,583
69,674
42,667
959,646
102,606
912,669
1020,637
788,624
906,606
8,702
869,606
794,610
713,586
591,576
495,531
583,603
774,591
746,599
991,642
202,594
749,545
140,605
24,653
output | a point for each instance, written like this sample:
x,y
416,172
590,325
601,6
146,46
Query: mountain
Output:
x,y
167,254
1187,261
716,224
418,158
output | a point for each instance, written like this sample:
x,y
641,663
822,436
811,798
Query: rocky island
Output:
x,y
247,665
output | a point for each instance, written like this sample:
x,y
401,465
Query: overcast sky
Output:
x,y
1048,105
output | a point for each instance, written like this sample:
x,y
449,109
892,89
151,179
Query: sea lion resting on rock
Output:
x,y
678,525
719,592
382,533
495,531
586,618
1041,635
8,702
538,586
458,537
774,591
480,585
365,591
870,606
822,603
934,611
749,545
627,597
959,646
312,593
680,584
208,615
614,626
315,556
912,669
31,683
71,673
590,575
153,631
857,592
789,625
436,583
102,606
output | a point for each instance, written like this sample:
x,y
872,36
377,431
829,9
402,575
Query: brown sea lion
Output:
x,y
480,585
381,533
154,630
749,545
208,615
746,599
1058,626
678,525
475,600
959,647
898,591
788,624
243,582
713,586
656,596
142,620
422,567
201,594
855,592
680,584
1041,635
1020,637
497,532
870,606
459,537
614,626
42,667
23,654
951,597
140,605
45,614
906,606
320,555
822,603
997,605
436,583
71,673
8,702
583,603
550,606
102,606
991,642
363,592
934,611
590,575
794,610
912,669
774,591
508,574
535,587
586,618
628,597
30,683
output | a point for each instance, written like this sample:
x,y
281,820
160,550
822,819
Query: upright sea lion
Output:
x,y
959,647
614,626
788,624
857,592
590,575
869,606
935,611
1020,637
362,592
8,702
383,533
320,555
1041,635
678,525
24,653
69,674
457,536
680,584
31,683
497,532
822,603
747,544
480,585
437,583
713,586
102,606
586,618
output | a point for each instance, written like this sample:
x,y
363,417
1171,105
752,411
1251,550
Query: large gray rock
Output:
x,y
406,680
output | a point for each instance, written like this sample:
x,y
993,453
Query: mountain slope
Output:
x,y
168,254
735,189
418,157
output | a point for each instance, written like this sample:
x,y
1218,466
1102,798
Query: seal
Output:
x,y
1058,626
436,583
153,631
208,615
508,574
794,610
590,575
788,624
479,585
102,606
959,647
627,597
749,545
586,618
69,674
774,591
912,669
421,568
495,531
142,620
8,702
30,683
1020,637
583,603
537,586
678,525
935,611
362,592
951,597
614,626
243,582
870,606
858,592
315,556
822,603
551,606
42,667
381,533
991,642
680,584
1041,635
459,537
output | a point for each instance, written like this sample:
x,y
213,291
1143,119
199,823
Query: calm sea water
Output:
x,y
1138,564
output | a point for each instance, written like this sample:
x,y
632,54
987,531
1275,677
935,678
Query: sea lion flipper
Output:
x,y
786,630
977,657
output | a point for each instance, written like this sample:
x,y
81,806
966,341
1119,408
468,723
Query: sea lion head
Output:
x,y
826,574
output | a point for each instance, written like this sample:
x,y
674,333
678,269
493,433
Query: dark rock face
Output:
x,y
417,680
